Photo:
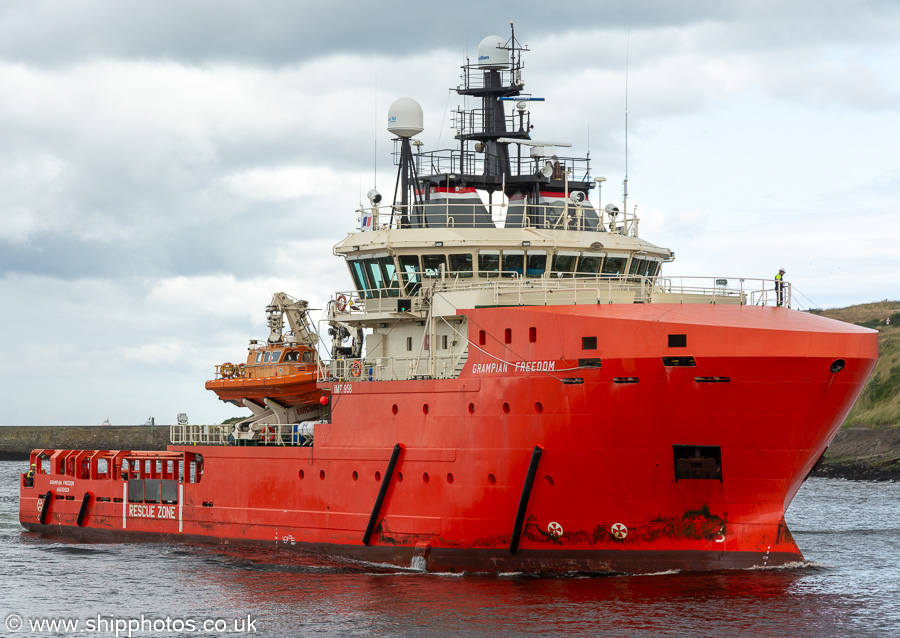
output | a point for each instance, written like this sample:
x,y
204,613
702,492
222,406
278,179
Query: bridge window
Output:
x,y
432,264
513,263
382,277
461,265
564,264
409,267
637,266
358,272
266,356
291,356
535,263
376,276
276,355
614,266
488,263
589,265
307,357
259,357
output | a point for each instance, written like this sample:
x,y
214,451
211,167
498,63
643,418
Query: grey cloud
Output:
x,y
278,32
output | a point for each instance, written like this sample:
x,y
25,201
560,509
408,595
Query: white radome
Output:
x,y
405,117
491,54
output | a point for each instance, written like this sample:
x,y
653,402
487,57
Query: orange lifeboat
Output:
x,y
282,370
284,373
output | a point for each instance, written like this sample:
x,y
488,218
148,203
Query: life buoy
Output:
x,y
356,368
227,370
268,434
341,303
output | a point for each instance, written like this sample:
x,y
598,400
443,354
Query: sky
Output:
x,y
165,167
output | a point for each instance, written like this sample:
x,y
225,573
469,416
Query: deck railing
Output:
x,y
562,214
509,288
441,366
268,434
184,434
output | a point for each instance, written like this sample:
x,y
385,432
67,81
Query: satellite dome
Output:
x,y
405,117
491,54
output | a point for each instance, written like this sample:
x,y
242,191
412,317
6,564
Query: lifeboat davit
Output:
x,y
282,370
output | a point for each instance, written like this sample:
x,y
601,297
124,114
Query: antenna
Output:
x,y
625,183
375,155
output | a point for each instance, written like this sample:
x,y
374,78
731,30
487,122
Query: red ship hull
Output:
x,y
598,424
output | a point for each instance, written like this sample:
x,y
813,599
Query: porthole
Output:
x,y
471,408
394,409
838,365
424,408
355,475
300,474
506,408
378,476
538,407
492,479
449,477
322,475
425,477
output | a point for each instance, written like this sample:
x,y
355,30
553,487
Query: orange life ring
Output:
x,y
227,370
341,303
356,368
268,434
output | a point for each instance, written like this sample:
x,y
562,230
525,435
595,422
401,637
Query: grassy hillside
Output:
x,y
879,403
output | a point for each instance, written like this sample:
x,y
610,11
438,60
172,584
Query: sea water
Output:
x,y
849,586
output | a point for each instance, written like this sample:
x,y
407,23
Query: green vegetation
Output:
x,y
233,419
879,403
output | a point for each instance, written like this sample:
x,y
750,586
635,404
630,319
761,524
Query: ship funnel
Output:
x,y
405,117
492,53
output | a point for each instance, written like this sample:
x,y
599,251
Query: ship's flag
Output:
x,y
365,222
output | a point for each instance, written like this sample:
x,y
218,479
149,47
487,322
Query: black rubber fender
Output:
x,y
85,504
45,508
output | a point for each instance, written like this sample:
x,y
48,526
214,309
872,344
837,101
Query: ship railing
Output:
x,y
267,434
556,288
733,290
188,434
439,366
230,371
441,163
560,214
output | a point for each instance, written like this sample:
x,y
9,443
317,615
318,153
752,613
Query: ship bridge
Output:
x,y
500,220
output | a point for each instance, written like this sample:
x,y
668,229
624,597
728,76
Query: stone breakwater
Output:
x,y
863,454
17,441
